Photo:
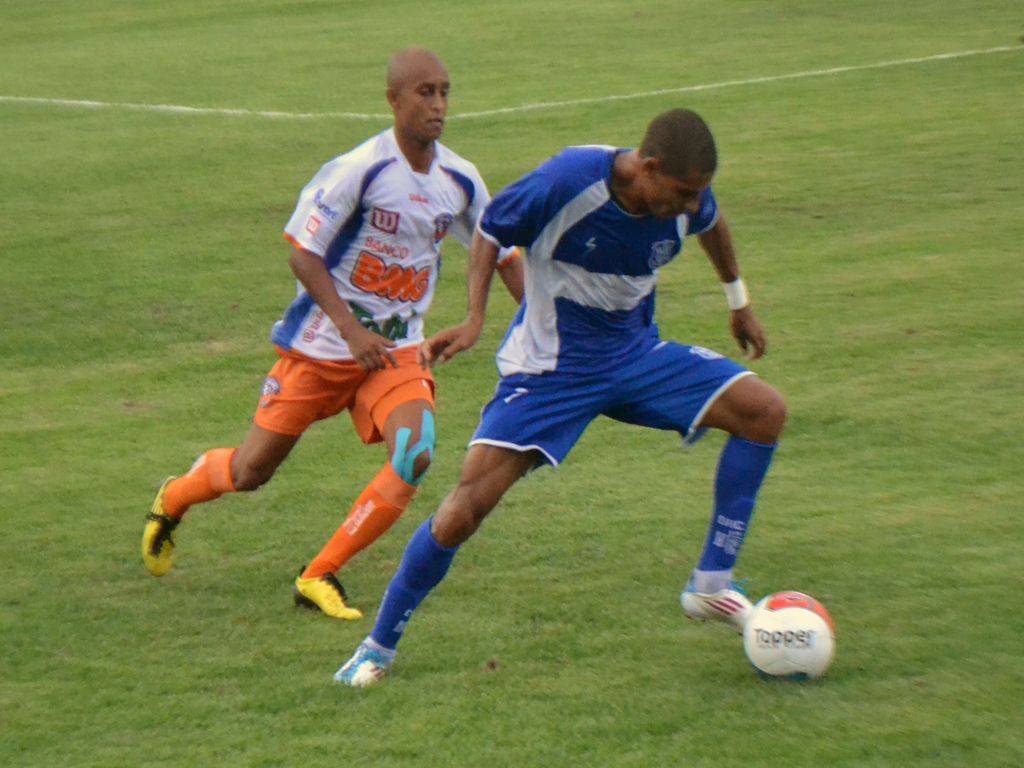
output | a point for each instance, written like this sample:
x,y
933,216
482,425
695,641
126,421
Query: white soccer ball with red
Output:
x,y
790,635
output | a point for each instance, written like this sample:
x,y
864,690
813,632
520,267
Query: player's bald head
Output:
x,y
409,65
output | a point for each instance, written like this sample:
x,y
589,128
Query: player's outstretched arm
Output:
x,y
443,346
745,327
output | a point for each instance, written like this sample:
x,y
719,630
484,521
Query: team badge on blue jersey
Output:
x,y
662,252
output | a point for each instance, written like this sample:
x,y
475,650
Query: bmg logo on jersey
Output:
x,y
384,220
391,281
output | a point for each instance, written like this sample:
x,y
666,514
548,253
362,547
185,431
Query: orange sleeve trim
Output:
x,y
299,245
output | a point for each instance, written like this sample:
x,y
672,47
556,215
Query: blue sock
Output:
x,y
423,565
741,469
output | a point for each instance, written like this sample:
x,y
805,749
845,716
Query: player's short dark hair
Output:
x,y
682,141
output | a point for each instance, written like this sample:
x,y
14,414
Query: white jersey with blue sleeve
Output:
x,y
378,225
591,267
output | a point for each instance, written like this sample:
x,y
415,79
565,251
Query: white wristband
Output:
x,y
736,294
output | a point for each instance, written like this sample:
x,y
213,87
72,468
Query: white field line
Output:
x,y
184,110
747,81
180,109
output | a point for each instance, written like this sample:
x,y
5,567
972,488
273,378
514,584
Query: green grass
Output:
x,y
878,217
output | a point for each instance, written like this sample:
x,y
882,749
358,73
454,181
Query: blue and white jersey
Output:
x,y
591,267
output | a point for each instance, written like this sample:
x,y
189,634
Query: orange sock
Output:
x,y
209,478
378,507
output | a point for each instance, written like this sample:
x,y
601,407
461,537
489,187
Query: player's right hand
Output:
x,y
444,345
748,333
371,350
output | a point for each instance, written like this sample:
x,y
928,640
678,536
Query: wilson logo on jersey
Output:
x,y
312,225
309,335
391,281
384,220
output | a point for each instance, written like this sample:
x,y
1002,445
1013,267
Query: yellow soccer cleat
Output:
x,y
325,593
157,539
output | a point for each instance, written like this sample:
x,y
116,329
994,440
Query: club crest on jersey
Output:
x,y
384,220
271,387
441,224
662,252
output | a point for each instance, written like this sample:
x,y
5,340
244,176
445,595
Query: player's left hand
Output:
x,y
748,333
444,345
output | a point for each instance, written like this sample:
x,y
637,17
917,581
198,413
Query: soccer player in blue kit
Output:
x,y
598,222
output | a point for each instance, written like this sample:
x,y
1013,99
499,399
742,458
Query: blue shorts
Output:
x,y
670,387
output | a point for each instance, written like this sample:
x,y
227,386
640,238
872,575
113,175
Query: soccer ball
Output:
x,y
790,635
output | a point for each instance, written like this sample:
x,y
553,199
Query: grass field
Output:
x,y
879,214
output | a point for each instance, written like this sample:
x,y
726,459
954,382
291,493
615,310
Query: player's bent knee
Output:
x,y
420,466
779,411
751,410
768,417
412,462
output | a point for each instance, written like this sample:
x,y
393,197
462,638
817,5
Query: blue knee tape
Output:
x,y
404,458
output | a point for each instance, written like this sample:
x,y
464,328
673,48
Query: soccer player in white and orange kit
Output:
x,y
366,240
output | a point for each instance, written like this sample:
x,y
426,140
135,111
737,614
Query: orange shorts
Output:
x,y
300,390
